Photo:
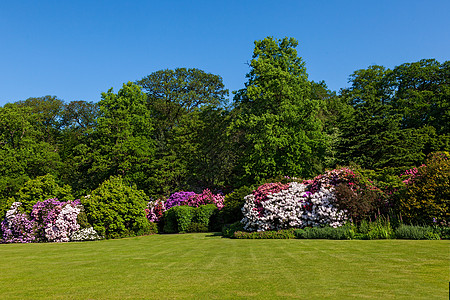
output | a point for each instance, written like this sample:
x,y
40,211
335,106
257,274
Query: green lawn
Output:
x,y
204,266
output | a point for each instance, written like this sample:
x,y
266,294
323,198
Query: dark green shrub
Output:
x,y
410,232
188,219
170,224
178,218
184,215
280,234
228,230
197,227
82,220
116,210
233,203
203,214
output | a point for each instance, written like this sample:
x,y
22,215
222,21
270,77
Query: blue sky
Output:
x,y
76,50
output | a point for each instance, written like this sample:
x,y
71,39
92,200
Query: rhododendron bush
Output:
x,y
274,206
50,221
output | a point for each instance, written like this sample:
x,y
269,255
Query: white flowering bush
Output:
x,y
275,206
85,234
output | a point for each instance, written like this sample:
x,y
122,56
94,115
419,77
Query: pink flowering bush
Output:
x,y
206,197
155,210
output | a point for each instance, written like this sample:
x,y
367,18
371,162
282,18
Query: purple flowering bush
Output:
x,y
50,221
178,198
16,227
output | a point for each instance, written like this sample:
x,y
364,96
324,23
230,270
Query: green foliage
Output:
x,y
188,219
346,232
42,188
228,230
115,209
398,116
178,218
443,232
188,129
121,143
278,125
426,199
280,234
373,230
233,203
411,232
203,214
24,153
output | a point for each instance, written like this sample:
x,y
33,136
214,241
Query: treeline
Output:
x,y
174,129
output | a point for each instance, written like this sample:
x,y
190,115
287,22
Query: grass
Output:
x,y
204,266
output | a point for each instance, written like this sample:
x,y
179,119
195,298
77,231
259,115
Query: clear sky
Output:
x,y
76,50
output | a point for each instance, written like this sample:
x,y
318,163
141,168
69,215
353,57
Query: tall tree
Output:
x,y
176,100
121,143
379,132
278,121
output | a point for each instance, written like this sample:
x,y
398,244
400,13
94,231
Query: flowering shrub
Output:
x,y
64,225
276,206
353,192
16,227
55,220
177,199
155,210
50,221
206,197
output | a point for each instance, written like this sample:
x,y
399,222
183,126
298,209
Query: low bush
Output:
x,y
345,232
443,231
411,232
270,234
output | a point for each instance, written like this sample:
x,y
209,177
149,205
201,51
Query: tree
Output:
x,y
47,112
121,142
177,100
278,120
23,155
393,118
173,94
